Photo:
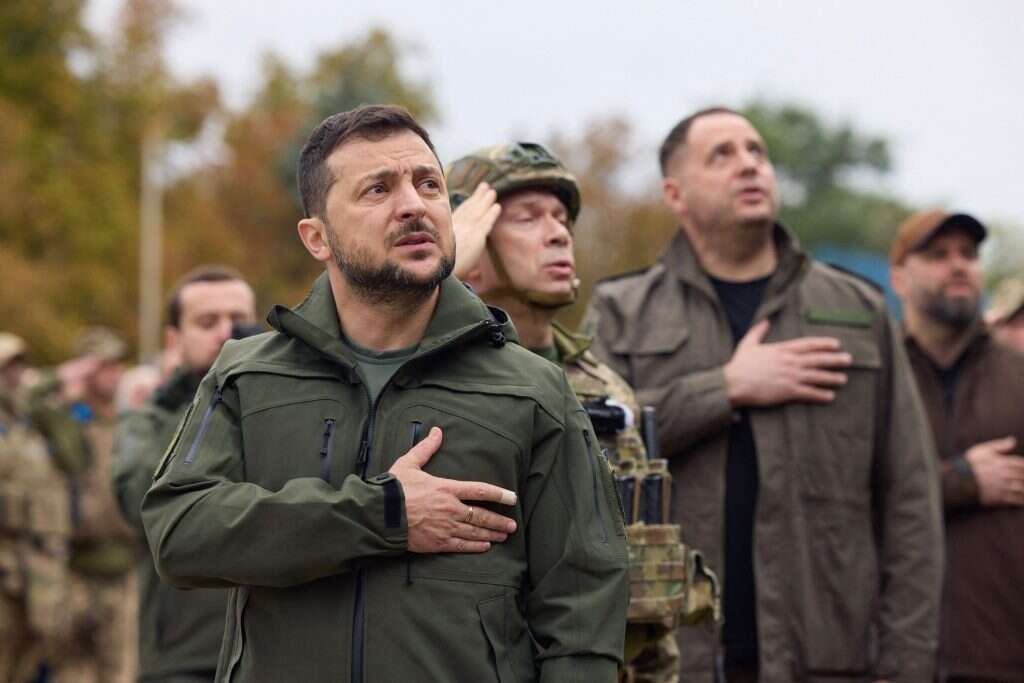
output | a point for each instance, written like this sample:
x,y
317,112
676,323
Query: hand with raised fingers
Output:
x,y
439,512
472,223
805,369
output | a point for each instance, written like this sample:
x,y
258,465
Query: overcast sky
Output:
x,y
943,81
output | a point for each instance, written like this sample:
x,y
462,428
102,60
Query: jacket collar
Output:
x,y
459,312
570,345
975,339
179,389
681,260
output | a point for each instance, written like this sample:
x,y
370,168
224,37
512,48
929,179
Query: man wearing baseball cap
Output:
x,y
972,389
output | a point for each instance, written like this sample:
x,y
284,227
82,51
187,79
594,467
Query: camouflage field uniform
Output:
x,y
102,588
668,584
651,650
35,523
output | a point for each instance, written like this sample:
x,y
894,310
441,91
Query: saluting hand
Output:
x,y
438,519
998,471
803,369
472,223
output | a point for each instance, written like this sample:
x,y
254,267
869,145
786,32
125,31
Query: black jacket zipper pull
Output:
x,y
496,335
364,452
325,449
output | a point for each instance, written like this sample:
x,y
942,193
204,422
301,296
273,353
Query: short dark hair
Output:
x,y
676,137
204,273
369,122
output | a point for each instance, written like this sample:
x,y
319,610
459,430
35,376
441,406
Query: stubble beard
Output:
x,y
956,312
388,284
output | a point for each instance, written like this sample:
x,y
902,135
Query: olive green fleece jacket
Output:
x,y
179,630
277,486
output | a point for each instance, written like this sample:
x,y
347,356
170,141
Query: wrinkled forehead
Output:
x,y
712,129
401,151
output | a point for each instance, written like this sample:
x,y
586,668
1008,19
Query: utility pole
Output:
x,y
150,244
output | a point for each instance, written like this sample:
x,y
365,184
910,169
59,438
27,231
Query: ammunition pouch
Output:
x,y
669,583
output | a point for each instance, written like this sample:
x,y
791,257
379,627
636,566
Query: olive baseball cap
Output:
x,y
1007,301
917,231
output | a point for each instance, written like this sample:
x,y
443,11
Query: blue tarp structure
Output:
x,y
874,267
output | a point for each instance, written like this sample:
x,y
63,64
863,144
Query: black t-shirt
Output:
x,y
739,632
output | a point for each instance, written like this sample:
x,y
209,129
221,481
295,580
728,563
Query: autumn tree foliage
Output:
x,y
74,111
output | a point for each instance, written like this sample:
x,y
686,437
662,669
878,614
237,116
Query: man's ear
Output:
x,y
172,337
672,195
898,280
314,238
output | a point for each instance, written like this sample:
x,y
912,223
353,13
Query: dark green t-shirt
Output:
x,y
377,367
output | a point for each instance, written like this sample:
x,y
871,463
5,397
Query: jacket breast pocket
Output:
x,y
297,428
653,354
470,451
840,462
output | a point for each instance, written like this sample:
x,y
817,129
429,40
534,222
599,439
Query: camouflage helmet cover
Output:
x,y
512,167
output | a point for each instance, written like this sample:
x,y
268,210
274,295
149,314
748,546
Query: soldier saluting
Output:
x,y
516,208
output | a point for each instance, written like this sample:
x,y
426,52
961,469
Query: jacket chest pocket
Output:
x,y
839,465
656,354
299,429
470,451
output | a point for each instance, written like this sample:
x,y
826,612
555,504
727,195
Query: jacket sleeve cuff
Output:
x,y
580,669
959,487
394,526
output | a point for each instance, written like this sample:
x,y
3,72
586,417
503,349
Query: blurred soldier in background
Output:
x,y
973,390
787,410
516,205
75,407
1005,315
35,524
179,631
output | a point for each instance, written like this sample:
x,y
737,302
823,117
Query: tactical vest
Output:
x,y
669,583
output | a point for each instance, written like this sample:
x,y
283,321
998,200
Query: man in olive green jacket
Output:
x,y
310,474
801,455
179,630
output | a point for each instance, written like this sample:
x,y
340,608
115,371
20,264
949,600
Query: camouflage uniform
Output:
x,y
35,523
102,590
668,583
651,650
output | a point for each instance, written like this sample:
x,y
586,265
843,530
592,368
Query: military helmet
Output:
x,y
101,342
512,167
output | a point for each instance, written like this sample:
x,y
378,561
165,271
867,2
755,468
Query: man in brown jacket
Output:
x,y
973,390
800,452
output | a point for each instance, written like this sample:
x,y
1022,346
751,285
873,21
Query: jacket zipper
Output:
x,y
596,486
359,608
414,438
203,426
325,450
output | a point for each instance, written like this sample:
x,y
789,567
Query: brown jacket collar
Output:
x,y
977,337
680,259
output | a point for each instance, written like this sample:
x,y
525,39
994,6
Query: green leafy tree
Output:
x,y
819,166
